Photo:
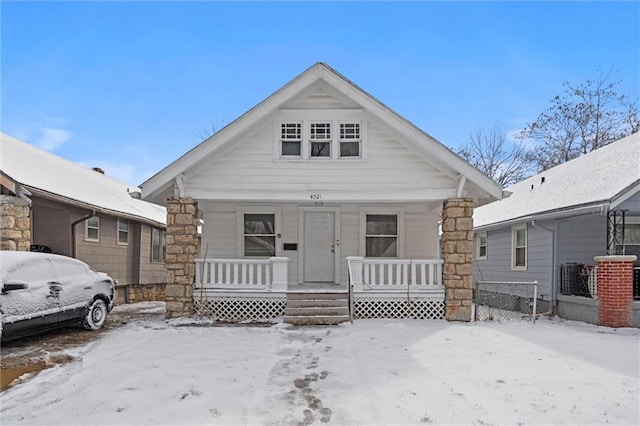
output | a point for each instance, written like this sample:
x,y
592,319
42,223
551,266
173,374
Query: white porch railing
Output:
x,y
242,274
394,274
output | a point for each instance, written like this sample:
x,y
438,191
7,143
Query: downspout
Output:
x,y
554,256
73,232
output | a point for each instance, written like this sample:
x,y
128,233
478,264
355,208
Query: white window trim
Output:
x,y
160,252
86,230
240,228
486,246
120,243
331,141
514,230
277,148
335,117
384,211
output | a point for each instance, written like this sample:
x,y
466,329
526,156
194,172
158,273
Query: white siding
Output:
x,y
221,230
250,171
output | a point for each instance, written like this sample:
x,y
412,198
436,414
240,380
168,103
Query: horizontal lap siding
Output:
x,y
219,234
497,266
582,238
250,166
220,228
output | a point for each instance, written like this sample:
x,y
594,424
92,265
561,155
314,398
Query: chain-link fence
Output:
x,y
499,300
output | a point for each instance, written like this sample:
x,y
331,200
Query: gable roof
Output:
x,y
350,95
53,177
593,181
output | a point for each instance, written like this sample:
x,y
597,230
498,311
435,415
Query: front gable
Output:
x,y
320,138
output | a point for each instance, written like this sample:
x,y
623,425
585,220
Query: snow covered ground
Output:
x,y
369,372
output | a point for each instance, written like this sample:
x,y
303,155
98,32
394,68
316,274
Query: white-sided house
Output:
x,y
319,185
554,223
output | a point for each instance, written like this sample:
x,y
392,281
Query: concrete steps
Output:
x,y
317,308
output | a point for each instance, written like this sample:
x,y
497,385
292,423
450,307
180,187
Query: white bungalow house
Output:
x,y
318,186
554,223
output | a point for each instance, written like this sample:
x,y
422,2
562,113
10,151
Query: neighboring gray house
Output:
x,y
79,212
554,223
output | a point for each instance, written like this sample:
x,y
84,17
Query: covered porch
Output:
x,y
257,289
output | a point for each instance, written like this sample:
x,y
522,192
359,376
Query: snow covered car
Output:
x,y
40,291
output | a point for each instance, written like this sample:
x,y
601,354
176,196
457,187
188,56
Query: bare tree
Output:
x,y
503,161
586,117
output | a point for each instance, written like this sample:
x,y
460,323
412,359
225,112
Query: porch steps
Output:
x,y
318,308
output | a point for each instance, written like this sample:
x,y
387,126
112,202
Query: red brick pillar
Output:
x,y
615,290
182,245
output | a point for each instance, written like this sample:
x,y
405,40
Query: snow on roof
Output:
x,y
41,170
596,177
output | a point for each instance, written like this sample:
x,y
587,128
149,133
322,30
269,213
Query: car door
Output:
x,y
27,300
74,287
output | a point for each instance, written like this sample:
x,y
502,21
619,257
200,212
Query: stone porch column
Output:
x,y
615,290
182,245
457,252
15,223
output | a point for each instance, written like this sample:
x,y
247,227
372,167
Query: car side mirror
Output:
x,y
14,285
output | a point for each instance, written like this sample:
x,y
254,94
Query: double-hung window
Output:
x,y
291,139
381,237
349,140
259,234
92,229
158,245
481,241
123,231
320,140
519,247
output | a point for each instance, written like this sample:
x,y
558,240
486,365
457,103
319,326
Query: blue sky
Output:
x,y
131,86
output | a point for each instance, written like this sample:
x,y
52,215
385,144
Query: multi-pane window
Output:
x,y
519,247
482,246
123,231
320,136
291,139
382,235
349,139
158,245
259,234
92,229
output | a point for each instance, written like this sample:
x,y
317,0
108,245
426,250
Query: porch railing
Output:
x,y
394,274
242,274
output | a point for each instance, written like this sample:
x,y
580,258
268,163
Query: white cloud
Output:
x,y
51,139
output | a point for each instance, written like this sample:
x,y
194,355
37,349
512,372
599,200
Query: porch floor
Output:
x,y
317,288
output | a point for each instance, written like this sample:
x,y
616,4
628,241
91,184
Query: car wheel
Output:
x,y
96,316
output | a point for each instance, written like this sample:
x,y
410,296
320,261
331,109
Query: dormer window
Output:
x,y
320,139
291,139
349,139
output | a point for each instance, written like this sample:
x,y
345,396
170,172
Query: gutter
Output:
x,y
600,208
73,232
95,209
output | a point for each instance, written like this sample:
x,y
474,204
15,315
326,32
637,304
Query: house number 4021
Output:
x,y
316,196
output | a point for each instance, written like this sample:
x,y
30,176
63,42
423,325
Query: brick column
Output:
x,y
15,223
182,245
615,290
457,252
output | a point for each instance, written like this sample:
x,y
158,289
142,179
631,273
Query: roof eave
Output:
x,y
598,207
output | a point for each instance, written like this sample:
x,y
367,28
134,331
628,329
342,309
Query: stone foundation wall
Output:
x,y
134,293
15,223
182,246
457,252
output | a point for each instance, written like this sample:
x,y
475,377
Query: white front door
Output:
x,y
319,246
